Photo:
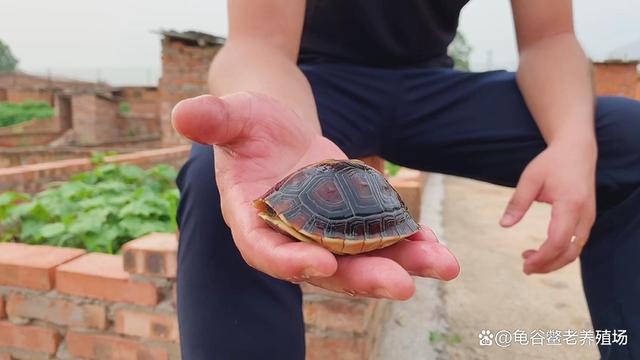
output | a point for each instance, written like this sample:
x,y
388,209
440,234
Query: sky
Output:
x,y
113,40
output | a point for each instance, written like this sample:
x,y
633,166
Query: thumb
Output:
x,y
207,119
526,192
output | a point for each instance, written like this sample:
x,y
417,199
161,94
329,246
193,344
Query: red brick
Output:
x,y
375,162
107,347
32,266
410,191
338,314
322,346
619,79
102,276
32,338
57,311
153,254
147,324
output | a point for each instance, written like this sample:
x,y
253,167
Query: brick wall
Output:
x,y
36,154
617,78
19,95
67,304
30,133
33,178
26,155
184,74
63,303
144,115
95,119
17,79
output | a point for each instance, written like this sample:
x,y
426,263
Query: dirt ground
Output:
x,y
444,320
492,293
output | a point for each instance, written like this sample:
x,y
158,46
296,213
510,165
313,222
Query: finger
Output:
x,y
526,192
422,258
280,257
276,254
527,253
369,276
211,120
564,219
424,234
583,230
577,243
567,257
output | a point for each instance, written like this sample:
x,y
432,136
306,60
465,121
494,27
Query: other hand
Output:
x,y
563,175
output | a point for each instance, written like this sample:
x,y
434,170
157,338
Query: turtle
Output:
x,y
345,206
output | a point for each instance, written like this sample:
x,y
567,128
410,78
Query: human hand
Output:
x,y
563,175
258,141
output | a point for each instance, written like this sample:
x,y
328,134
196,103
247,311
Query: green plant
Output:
x,y
391,169
97,157
437,336
15,113
8,61
97,210
460,52
124,107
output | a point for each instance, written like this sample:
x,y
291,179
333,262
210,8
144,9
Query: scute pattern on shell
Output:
x,y
341,200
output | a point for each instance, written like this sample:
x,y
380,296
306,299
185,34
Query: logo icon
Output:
x,y
486,338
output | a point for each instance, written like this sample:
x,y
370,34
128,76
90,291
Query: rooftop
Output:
x,y
194,37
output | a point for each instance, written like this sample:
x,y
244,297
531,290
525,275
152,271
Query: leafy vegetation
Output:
x,y
98,156
15,113
391,169
8,61
97,210
124,107
460,51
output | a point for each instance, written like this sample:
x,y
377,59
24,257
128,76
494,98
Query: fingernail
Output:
x,y
382,293
349,292
430,273
312,272
507,219
295,280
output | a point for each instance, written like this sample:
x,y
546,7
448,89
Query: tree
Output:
x,y
459,50
8,62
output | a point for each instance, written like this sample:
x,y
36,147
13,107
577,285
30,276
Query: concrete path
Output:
x,y
443,321
406,333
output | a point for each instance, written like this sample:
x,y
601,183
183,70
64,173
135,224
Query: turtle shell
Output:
x,y
343,205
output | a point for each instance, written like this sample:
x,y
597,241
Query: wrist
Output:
x,y
584,144
580,137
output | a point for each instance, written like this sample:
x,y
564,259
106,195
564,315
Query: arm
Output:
x,y
554,78
554,74
265,126
261,55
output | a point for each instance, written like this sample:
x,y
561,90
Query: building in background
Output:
x,y
186,57
617,78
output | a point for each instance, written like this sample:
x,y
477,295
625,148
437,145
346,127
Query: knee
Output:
x,y
196,182
618,130
197,172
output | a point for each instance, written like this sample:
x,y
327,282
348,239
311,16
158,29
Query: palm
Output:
x,y
259,142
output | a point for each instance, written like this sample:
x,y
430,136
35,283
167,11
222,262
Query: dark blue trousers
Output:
x,y
474,125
